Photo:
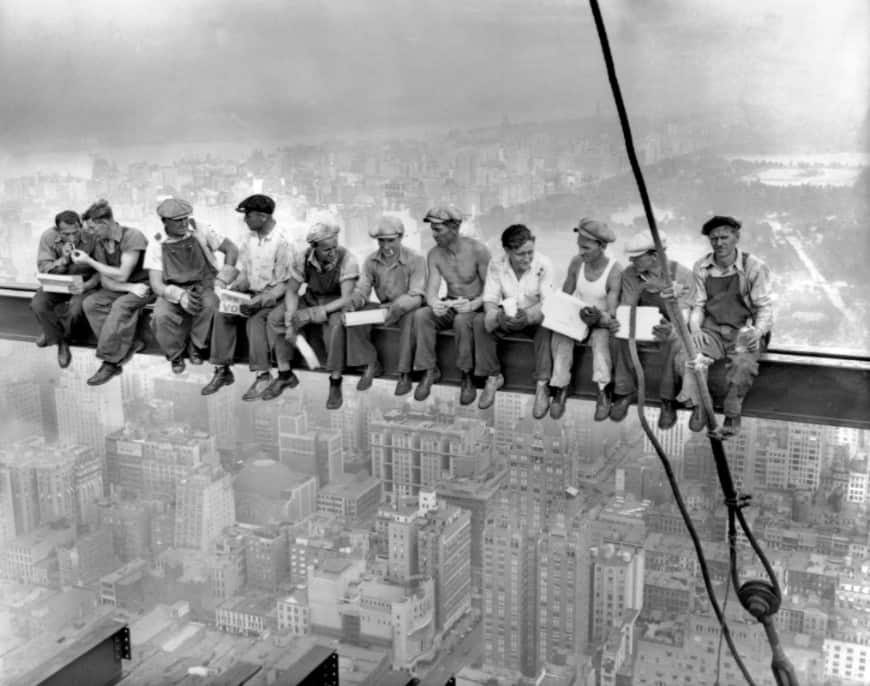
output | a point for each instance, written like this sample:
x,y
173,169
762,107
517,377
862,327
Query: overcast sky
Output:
x,y
136,70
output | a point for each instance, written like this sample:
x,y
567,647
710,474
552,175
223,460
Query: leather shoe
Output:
x,y
178,365
487,398
403,385
105,373
602,404
619,406
334,401
425,386
731,425
41,341
368,376
467,391
261,383
277,387
698,420
542,401
64,356
560,399
667,415
222,377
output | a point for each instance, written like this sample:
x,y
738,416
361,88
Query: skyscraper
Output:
x,y
617,585
204,505
87,414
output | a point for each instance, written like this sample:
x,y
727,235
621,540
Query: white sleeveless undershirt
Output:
x,y
593,293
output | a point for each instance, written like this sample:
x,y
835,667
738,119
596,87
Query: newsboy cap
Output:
x,y
174,208
388,226
443,213
322,231
717,221
642,242
257,203
594,229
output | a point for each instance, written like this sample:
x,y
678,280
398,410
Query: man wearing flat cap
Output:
x,y
264,268
643,285
330,272
595,279
398,276
114,310
59,313
183,272
731,318
461,262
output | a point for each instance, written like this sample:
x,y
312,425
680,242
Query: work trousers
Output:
x,y
330,334
57,313
173,327
486,359
625,376
426,327
261,339
563,358
116,319
361,351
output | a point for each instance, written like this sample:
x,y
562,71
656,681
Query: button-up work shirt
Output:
x,y
348,269
404,276
754,284
530,289
51,249
265,261
208,238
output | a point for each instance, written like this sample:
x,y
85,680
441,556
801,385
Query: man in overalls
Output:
x,y
330,273
595,279
183,273
644,286
731,318
114,310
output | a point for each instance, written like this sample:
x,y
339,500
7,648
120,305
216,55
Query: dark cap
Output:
x,y
257,203
594,229
720,220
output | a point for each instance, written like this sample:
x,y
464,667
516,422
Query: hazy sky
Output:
x,y
135,70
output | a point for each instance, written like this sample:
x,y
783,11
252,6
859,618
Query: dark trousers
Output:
x,y
116,320
260,338
625,377
426,328
330,335
173,326
361,351
486,360
57,313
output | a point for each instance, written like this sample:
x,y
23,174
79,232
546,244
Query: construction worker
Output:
x,y
398,276
330,273
513,294
59,313
114,310
461,262
265,262
183,273
644,285
595,279
731,318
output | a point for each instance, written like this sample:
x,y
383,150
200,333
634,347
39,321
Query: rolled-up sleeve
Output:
x,y
349,267
492,290
297,267
153,256
285,260
761,295
699,274
366,278
417,277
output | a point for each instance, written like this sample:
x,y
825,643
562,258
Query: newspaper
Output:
x,y
562,315
230,301
363,317
645,319
59,283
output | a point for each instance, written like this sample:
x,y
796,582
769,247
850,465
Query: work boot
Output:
x,y
731,426
285,380
542,400
698,420
334,401
430,377
368,376
602,404
261,383
222,377
136,347
667,414
41,341
560,401
178,365
619,406
105,373
64,356
487,398
403,385
467,391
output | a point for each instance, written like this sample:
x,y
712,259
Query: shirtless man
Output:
x,y
462,263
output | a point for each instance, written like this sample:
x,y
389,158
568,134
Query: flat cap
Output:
x,y
594,229
388,226
174,208
642,242
257,203
717,221
322,231
443,213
